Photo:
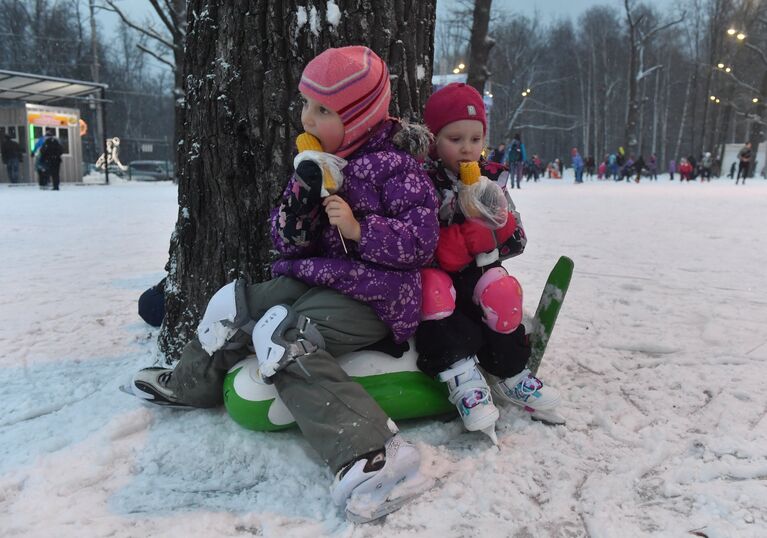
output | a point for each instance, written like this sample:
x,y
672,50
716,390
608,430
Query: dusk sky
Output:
x,y
551,9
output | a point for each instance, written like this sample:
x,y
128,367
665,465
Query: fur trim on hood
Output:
x,y
413,138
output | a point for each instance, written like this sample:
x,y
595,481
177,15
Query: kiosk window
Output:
x,y
22,139
64,139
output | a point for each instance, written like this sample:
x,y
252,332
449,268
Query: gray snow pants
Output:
x,y
335,414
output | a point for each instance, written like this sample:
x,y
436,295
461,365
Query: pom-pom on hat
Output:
x,y
354,83
456,101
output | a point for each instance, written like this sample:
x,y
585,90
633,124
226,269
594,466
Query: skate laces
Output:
x,y
475,398
529,384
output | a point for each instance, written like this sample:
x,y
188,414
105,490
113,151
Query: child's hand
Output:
x,y
341,216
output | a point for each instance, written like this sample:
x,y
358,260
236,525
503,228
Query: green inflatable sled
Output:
x,y
395,383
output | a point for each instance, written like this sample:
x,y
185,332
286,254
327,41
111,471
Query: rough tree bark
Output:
x,y
481,44
242,64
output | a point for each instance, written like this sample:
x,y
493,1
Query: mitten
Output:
x,y
477,237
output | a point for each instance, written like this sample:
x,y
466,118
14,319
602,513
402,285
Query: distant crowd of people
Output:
x,y
619,166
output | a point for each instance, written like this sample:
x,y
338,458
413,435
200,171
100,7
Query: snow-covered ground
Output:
x,y
660,351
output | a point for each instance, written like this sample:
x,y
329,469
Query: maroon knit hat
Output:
x,y
354,83
456,101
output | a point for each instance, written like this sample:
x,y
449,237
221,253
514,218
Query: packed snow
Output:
x,y
660,351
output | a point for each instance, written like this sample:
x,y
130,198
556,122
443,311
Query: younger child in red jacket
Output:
x,y
479,228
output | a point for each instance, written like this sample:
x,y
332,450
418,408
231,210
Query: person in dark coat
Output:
x,y
11,155
49,156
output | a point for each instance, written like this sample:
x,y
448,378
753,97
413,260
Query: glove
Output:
x,y
310,149
308,188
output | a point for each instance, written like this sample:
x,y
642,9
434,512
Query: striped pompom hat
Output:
x,y
354,83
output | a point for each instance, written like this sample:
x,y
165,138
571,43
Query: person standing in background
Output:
x,y
11,155
49,159
577,161
515,157
744,162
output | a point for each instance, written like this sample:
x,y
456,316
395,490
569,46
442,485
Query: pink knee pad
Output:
x,y
438,294
500,297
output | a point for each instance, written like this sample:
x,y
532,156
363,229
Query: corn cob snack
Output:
x,y
308,142
469,172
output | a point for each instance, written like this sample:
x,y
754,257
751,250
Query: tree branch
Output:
x,y
661,28
758,50
156,56
647,72
549,127
744,84
169,24
131,24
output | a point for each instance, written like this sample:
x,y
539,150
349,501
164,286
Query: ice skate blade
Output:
x,y
490,432
148,401
550,418
392,504
486,422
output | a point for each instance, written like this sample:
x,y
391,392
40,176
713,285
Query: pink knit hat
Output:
x,y
456,101
354,83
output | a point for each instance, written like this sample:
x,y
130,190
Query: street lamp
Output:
x,y
741,36
461,65
731,31
755,100
713,97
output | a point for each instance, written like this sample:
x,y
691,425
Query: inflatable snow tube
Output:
x,y
395,383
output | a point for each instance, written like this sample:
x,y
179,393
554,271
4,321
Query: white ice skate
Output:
x,y
380,483
528,392
470,394
150,385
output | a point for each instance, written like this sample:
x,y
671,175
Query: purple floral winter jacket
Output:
x,y
396,206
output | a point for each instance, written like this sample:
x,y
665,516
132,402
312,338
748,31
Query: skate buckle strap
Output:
x,y
460,367
283,336
466,388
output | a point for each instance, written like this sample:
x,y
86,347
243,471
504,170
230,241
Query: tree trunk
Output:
x,y
756,133
656,98
678,146
480,46
632,109
242,64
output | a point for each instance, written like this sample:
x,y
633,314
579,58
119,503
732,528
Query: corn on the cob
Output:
x,y
469,172
308,142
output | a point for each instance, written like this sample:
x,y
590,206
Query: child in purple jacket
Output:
x,y
356,223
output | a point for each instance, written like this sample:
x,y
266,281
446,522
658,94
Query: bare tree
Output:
x,y
481,44
639,36
169,46
242,118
